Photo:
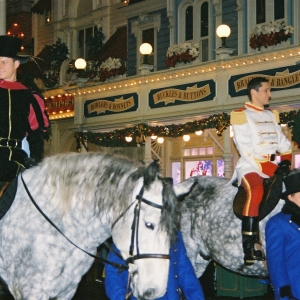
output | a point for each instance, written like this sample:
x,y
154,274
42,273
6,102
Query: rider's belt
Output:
x,y
270,157
12,143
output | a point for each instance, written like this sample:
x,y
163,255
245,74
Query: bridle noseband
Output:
x,y
135,230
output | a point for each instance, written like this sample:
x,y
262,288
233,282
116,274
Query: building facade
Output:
x,y
165,99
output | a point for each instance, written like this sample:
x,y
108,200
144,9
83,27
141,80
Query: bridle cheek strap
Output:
x,y
135,232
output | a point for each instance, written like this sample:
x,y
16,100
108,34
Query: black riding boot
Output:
x,y
250,232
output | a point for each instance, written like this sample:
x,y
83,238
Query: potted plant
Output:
x,y
57,53
182,53
90,72
111,67
270,34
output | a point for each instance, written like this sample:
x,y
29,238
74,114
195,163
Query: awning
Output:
x,y
115,47
37,65
41,6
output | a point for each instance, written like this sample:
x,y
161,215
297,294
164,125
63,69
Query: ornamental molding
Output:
x,y
145,19
239,5
217,6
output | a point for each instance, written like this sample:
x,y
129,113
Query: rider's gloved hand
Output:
x,y
29,162
283,168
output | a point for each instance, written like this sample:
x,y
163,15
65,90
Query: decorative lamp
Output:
x,y
80,63
128,139
145,49
199,132
186,137
160,140
153,137
223,31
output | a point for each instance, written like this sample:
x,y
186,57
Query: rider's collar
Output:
x,y
251,106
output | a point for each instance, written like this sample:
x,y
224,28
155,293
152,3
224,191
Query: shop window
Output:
x,y
189,23
176,172
202,151
210,150
297,161
198,151
198,167
186,152
220,168
194,151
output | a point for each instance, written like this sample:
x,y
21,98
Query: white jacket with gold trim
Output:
x,y
257,135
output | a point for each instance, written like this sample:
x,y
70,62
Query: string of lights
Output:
x,y
220,122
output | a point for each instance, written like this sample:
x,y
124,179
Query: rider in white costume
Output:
x,y
258,138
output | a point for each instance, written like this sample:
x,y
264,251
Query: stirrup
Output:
x,y
257,256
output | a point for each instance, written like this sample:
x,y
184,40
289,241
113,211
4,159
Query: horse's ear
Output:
x,y
183,188
151,173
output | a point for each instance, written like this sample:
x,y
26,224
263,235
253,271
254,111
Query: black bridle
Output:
x,y
135,230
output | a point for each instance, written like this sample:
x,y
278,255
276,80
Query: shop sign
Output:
x,y
111,105
59,104
279,79
182,94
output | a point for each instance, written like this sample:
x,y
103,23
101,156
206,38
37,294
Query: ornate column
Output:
x,y
68,31
227,155
241,33
148,157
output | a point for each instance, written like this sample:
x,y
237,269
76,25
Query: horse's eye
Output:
x,y
149,225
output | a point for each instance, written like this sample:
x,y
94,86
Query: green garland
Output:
x,y
139,133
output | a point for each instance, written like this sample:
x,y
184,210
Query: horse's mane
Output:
x,y
170,218
102,181
105,179
206,190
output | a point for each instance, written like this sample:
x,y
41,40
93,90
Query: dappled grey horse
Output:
x,y
86,198
211,231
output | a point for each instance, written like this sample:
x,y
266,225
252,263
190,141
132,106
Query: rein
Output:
x,y
114,264
134,230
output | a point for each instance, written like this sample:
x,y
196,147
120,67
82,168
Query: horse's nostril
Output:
x,y
149,294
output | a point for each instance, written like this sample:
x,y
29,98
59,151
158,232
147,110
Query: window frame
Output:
x,y
139,41
196,26
251,17
84,43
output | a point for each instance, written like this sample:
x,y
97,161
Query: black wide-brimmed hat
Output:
x,y
11,47
292,183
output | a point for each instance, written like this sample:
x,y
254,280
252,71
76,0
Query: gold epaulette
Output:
x,y
238,117
276,115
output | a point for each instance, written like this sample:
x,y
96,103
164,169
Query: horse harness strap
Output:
x,y
135,231
10,143
114,264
